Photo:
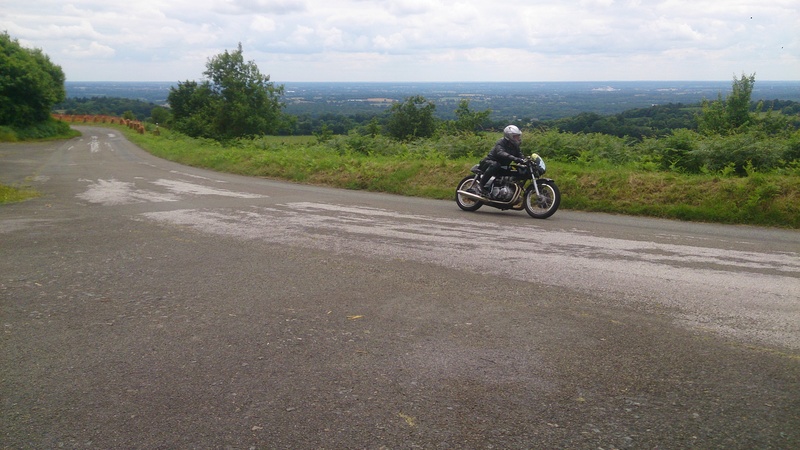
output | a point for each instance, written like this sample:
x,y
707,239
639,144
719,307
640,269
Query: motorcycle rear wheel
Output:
x,y
545,204
464,202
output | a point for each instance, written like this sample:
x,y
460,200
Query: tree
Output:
x,y
412,119
193,108
738,104
468,120
235,100
373,127
732,114
30,84
160,116
325,134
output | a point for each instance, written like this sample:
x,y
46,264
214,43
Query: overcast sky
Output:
x,y
415,40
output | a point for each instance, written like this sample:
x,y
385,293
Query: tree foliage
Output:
x,y
468,120
160,115
30,84
729,115
412,119
235,100
639,123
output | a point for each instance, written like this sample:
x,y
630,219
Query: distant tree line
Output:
x,y
236,101
111,106
638,123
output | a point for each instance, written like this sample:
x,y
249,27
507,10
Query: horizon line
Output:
x,y
435,82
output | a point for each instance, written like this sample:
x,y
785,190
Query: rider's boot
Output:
x,y
478,188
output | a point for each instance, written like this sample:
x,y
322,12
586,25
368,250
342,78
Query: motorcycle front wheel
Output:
x,y
464,202
546,203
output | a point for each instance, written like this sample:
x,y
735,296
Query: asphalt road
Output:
x,y
151,305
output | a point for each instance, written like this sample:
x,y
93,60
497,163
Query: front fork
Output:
x,y
536,187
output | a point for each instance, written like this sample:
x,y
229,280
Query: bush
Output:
x,y
581,147
677,151
465,145
355,142
738,152
45,130
552,143
791,152
7,134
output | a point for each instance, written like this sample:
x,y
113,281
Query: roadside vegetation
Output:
x,y
605,178
11,194
728,160
30,84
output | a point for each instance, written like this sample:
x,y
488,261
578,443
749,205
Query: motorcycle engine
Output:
x,y
503,193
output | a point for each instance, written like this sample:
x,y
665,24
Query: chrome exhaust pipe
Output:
x,y
471,195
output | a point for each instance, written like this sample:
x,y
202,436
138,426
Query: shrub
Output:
x,y
7,134
676,152
465,145
582,147
552,143
44,130
355,142
739,152
791,152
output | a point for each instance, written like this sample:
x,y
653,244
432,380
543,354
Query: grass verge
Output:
x,y
759,199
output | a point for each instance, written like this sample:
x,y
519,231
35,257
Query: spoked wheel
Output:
x,y
546,203
464,202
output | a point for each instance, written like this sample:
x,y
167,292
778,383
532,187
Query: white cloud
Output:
x,y
262,24
93,50
260,6
416,40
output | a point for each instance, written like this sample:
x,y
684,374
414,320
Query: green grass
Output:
x,y
10,194
760,199
418,169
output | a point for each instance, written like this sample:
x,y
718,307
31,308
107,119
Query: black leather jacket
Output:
x,y
504,152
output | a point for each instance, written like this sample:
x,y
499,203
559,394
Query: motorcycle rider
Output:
x,y
503,153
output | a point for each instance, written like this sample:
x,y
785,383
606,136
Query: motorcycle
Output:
x,y
516,186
